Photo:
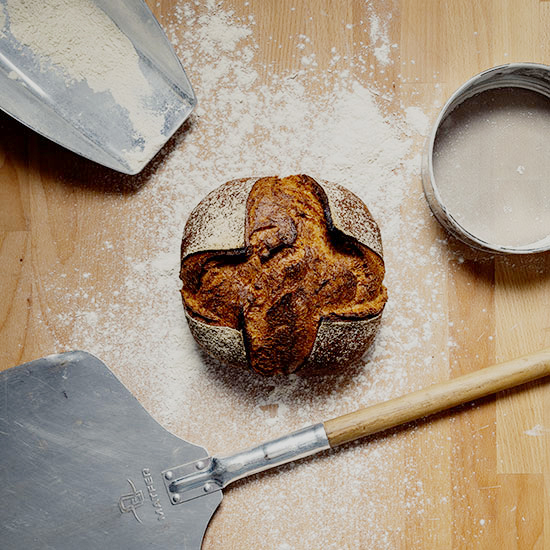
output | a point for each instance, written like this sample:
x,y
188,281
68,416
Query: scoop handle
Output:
x,y
437,398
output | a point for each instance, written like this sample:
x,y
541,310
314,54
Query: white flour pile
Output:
x,y
255,121
77,38
379,39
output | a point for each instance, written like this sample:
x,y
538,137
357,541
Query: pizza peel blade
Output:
x,y
81,460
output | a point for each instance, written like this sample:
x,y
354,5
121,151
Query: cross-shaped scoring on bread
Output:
x,y
295,270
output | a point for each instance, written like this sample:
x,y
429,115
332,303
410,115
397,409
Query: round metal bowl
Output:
x,y
530,76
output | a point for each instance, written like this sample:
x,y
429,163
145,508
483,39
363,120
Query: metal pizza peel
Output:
x,y
83,465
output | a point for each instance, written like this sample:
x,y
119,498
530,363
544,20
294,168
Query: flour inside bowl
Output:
x,y
491,167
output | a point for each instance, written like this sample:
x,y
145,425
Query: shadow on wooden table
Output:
x,y
296,389
517,270
32,153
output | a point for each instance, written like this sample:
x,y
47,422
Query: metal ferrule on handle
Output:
x,y
210,474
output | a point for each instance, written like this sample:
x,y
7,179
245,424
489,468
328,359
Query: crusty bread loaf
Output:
x,y
283,274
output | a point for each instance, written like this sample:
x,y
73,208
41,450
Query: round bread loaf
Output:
x,y
282,274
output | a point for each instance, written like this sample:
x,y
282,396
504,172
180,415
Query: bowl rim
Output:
x,y
500,76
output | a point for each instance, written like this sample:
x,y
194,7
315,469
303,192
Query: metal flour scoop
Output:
x,y
96,76
83,465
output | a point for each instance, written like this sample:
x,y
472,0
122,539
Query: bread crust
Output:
x,y
221,226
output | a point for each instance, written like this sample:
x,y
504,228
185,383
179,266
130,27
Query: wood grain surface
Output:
x,y
56,210
437,398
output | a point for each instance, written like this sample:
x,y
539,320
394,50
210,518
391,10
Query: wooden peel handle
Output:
x,y
438,397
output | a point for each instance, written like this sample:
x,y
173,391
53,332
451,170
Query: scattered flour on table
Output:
x,y
537,431
380,40
253,120
216,32
418,120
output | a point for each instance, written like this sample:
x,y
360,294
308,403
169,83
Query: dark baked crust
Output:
x,y
293,280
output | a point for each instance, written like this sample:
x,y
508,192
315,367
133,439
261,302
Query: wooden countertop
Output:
x,y
488,485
